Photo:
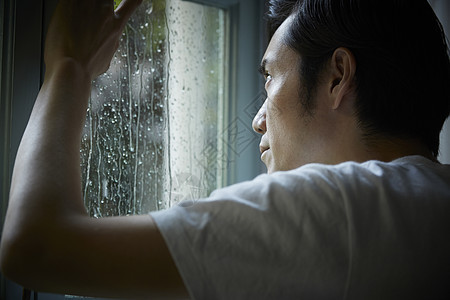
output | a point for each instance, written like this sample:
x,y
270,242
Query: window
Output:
x,y
442,9
152,133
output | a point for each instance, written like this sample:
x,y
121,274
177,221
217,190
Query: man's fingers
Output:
x,y
125,10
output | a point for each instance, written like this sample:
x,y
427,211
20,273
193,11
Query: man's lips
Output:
x,y
264,144
263,148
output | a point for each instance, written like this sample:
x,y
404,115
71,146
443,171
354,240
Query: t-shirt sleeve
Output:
x,y
260,239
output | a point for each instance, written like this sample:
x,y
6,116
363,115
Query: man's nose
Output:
x,y
259,121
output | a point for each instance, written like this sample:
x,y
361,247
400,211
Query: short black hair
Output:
x,y
403,67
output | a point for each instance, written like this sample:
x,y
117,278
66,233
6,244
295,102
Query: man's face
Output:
x,y
291,137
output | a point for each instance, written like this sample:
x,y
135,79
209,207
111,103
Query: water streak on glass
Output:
x,y
152,132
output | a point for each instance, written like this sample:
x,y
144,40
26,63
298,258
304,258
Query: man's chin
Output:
x,y
270,168
267,161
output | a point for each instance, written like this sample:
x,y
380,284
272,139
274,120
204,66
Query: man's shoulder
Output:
x,y
404,175
410,165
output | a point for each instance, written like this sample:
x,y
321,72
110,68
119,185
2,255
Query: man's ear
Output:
x,y
342,72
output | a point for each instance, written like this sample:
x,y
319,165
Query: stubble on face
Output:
x,y
289,135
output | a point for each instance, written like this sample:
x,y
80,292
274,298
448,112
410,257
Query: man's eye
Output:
x,y
267,76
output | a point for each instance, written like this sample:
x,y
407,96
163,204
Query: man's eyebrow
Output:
x,y
262,67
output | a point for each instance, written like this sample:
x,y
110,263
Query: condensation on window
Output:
x,y
152,136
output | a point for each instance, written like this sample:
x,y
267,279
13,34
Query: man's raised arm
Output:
x,y
49,242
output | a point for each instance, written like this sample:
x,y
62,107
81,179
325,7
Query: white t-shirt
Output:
x,y
351,231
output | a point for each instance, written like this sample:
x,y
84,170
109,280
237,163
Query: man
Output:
x,y
355,205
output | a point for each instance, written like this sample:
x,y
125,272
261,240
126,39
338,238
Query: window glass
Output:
x,y
153,131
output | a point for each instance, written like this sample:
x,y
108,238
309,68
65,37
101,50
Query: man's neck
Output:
x,y
394,148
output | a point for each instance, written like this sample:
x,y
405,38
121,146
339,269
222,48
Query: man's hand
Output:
x,y
87,32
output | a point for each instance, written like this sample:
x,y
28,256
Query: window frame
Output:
x,y
21,66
